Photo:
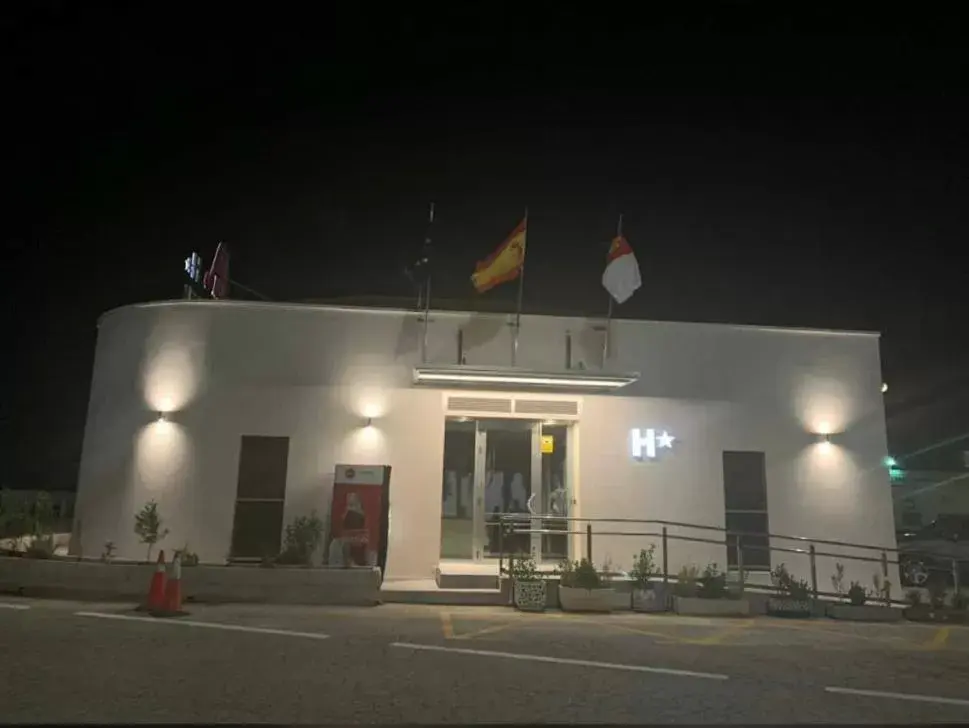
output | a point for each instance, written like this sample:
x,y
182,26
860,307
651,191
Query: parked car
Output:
x,y
927,553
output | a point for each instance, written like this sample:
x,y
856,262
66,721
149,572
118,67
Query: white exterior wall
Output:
x,y
315,374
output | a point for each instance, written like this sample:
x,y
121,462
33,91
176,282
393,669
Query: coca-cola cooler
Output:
x,y
360,516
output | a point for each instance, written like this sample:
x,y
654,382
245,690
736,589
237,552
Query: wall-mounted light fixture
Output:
x,y
884,387
162,417
824,437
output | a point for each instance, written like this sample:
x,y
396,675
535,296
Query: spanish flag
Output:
x,y
505,264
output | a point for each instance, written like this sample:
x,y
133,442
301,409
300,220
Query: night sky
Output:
x,y
793,171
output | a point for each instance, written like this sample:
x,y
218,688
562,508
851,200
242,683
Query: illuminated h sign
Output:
x,y
645,443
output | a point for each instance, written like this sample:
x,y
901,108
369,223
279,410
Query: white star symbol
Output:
x,y
665,440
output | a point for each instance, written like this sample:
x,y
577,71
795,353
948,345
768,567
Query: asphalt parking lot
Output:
x,y
80,662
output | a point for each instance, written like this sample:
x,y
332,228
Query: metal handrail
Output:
x,y
504,519
698,526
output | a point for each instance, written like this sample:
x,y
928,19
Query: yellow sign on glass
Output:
x,y
548,444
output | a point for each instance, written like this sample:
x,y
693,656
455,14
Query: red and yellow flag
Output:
x,y
505,264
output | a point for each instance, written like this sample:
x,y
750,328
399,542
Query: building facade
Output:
x,y
233,416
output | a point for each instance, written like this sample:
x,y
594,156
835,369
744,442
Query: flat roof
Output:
x,y
293,306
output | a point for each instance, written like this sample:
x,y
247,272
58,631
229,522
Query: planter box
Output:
x,y
711,607
864,613
654,599
796,608
586,600
925,613
530,596
129,581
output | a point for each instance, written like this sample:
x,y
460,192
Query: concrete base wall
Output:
x,y
711,607
129,581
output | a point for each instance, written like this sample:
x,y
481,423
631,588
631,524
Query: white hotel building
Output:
x,y
751,428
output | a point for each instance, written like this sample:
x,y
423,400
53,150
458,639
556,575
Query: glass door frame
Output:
x,y
479,548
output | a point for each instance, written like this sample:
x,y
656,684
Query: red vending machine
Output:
x,y
359,516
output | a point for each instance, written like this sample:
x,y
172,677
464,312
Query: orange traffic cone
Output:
x,y
156,592
173,590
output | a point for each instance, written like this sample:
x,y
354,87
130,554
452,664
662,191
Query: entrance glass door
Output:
x,y
508,447
503,466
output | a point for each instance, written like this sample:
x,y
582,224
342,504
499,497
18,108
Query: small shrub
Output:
x,y
687,582
148,526
187,556
302,538
914,597
838,580
857,594
789,587
523,569
644,567
882,589
108,554
713,583
579,575
936,588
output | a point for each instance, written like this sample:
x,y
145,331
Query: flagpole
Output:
x,y
605,341
427,283
521,287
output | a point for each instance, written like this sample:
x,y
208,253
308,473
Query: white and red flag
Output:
x,y
216,280
621,276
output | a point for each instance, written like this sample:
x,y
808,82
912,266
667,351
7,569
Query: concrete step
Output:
x,y
451,597
466,581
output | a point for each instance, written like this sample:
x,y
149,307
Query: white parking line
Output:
x,y
7,605
899,696
563,661
208,625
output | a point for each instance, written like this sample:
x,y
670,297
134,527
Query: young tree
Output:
x,y
148,526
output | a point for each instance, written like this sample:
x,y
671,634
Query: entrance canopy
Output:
x,y
515,378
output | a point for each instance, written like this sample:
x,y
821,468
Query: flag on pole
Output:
x,y
505,264
216,280
621,277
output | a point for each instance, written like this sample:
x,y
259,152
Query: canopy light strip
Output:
x,y
425,375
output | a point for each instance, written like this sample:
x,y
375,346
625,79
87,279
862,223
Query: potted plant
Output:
x,y
936,609
646,596
581,588
857,597
706,593
792,595
303,536
530,591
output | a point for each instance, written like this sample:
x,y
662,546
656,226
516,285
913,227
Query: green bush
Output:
x,y
148,526
523,568
303,537
713,583
579,575
857,594
789,587
687,582
644,567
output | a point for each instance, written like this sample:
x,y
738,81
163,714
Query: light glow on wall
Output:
x,y
824,405
171,377
162,456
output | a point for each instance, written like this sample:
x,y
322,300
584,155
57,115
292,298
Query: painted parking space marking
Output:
x,y
939,639
204,625
899,696
561,661
19,607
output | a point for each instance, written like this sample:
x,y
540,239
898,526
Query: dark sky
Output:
x,y
803,171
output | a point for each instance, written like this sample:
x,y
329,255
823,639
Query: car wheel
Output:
x,y
915,572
